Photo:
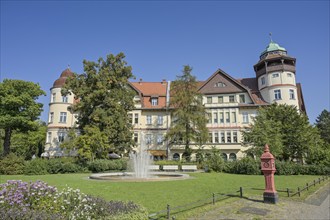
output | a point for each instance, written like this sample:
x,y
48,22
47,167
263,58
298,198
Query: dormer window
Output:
x,y
219,84
275,75
154,101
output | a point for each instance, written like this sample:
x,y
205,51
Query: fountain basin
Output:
x,y
129,177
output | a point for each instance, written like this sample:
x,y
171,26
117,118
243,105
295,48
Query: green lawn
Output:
x,y
156,195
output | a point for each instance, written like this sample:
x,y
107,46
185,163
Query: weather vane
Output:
x,y
270,35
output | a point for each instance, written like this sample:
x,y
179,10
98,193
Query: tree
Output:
x,y
104,99
287,132
18,108
27,144
188,117
323,124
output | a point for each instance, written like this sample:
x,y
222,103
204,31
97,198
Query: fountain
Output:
x,y
140,162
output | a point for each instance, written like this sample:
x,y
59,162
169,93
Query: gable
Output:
x,y
220,83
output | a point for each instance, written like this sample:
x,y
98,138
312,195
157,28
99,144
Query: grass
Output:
x,y
156,195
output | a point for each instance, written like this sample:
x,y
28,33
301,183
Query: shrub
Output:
x,y
12,165
214,161
290,168
103,165
54,166
22,200
246,165
36,167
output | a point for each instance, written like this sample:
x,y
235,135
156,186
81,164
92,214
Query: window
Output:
x,y
159,139
148,138
263,81
61,136
160,120
219,84
235,136
224,156
54,97
233,117
136,118
149,119
222,137
210,138
277,94
220,99
51,117
215,118
221,117
275,75
289,74
136,137
245,117
241,98
227,117
209,118
291,92
228,137
64,99
216,137
154,101
232,157
62,117
49,137
209,100
231,98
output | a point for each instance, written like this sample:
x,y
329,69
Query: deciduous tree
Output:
x,y
104,99
188,117
19,108
323,124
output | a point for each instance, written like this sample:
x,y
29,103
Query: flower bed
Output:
x,y
38,200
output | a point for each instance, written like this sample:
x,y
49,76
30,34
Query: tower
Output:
x,y
276,75
60,117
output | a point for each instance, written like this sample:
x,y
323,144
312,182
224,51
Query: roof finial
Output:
x,y
68,66
270,36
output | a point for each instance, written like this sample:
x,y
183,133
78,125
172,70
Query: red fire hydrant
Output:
x,y
268,168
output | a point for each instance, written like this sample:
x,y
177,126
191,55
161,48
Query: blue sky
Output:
x,y
40,38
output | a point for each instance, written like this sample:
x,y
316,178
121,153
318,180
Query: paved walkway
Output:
x,y
316,206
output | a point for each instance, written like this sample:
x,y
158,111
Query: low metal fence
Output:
x,y
309,185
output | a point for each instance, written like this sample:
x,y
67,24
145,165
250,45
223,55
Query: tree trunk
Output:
x,y
6,143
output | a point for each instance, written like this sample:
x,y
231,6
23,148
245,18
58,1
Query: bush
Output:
x,y
246,165
36,167
290,168
12,165
214,161
103,165
38,200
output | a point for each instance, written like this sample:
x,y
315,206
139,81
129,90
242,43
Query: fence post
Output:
x,y
319,180
168,211
213,201
298,191
241,192
288,191
314,182
307,186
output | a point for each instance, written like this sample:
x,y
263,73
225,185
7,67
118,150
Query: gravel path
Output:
x,y
316,206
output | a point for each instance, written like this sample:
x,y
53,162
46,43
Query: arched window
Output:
x,y
176,156
224,156
232,157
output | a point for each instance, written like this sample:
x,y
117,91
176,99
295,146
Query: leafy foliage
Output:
x,y
284,129
105,97
18,108
12,165
214,161
97,166
323,124
188,117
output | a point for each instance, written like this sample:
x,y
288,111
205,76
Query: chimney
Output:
x,y
140,82
163,81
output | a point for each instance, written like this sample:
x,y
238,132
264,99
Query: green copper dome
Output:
x,y
273,47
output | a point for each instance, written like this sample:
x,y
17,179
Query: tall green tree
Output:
x,y
27,144
104,99
188,117
323,124
19,108
287,131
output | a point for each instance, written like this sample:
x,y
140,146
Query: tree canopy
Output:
x,y
323,124
19,108
104,99
188,116
285,130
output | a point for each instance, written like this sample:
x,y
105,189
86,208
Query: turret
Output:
x,y
276,75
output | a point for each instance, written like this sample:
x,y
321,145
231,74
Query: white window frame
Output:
x,y
148,139
65,99
160,120
53,97
149,119
215,117
263,80
231,101
63,117
275,75
160,139
216,137
49,137
136,137
277,94
136,118
245,117
51,117
209,100
292,94
61,136
154,101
